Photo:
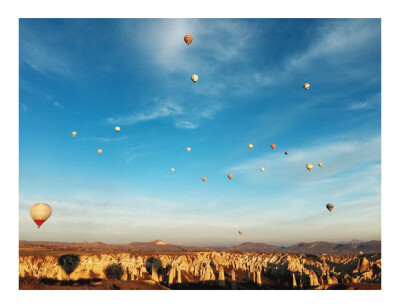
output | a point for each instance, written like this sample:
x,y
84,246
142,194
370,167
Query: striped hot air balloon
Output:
x,y
188,39
40,212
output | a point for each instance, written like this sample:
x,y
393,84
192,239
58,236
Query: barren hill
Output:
x,y
318,247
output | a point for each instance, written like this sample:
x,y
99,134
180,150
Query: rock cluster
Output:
x,y
295,270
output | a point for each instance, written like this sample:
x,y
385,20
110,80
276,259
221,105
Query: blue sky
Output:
x,y
90,75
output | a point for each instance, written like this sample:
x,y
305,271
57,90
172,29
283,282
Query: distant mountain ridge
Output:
x,y
317,247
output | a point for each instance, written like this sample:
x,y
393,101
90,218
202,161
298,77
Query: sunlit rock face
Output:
x,y
297,270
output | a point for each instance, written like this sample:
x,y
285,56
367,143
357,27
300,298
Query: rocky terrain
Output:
x,y
200,270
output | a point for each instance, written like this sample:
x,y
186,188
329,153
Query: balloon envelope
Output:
x,y
188,149
286,153
273,146
117,128
194,78
240,232
204,178
40,212
309,167
230,176
172,169
99,151
250,146
74,134
329,206
306,86
188,39
320,165
262,169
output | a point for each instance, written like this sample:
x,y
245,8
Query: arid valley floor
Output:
x,y
45,266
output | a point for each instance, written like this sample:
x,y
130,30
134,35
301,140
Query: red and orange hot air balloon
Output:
x,y
188,39
273,146
204,178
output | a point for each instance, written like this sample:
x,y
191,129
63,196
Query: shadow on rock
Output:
x,y
69,263
114,271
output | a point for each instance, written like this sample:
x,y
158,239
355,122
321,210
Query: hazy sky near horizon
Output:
x,y
90,75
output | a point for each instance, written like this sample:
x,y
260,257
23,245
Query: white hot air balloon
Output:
x,y
117,129
194,78
40,212
172,169
262,169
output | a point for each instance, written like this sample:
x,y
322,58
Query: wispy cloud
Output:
x,y
41,56
369,103
23,107
336,43
57,104
161,110
185,125
336,156
108,139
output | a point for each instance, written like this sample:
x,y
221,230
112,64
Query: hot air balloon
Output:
x,y
99,151
74,134
188,149
262,169
329,206
309,167
306,86
230,176
188,39
172,169
117,128
286,153
194,78
273,146
240,232
320,165
250,146
40,212
204,178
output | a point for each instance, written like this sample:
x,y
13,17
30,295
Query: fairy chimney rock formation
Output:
x,y
258,279
233,282
221,277
179,279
